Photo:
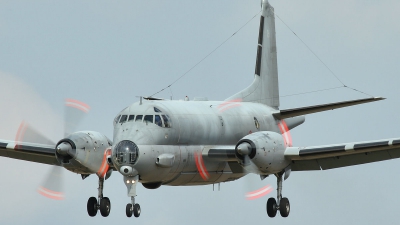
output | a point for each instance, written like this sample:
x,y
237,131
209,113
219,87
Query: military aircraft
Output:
x,y
160,142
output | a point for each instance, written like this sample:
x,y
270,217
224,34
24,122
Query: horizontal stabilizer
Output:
x,y
288,113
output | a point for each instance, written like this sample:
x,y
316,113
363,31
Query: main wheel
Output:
x,y
92,206
136,210
284,207
129,210
105,206
271,207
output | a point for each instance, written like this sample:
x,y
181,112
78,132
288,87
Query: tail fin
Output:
x,y
265,87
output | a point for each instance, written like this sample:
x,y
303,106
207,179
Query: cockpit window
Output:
x,y
117,119
139,118
148,119
123,118
131,117
158,121
156,110
167,121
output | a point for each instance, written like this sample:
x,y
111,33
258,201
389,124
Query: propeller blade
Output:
x,y
253,188
258,193
52,187
249,166
26,133
74,112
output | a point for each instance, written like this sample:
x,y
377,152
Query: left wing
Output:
x,y
341,155
39,153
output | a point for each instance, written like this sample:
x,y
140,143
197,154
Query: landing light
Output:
x,y
127,181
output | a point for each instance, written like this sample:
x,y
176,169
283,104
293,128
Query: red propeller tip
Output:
x,y
259,193
77,104
229,104
285,133
198,158
51,194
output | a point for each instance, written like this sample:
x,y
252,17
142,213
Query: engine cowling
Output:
x,y
84,152
262,152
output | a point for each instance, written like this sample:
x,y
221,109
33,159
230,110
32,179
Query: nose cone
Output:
x,y
244,148
64,148
125,155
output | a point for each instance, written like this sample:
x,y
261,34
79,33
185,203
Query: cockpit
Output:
x,y
158,118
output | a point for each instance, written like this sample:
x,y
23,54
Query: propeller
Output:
x,y
52,186
246,151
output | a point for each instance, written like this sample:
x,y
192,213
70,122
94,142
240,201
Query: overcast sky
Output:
x,y
106,53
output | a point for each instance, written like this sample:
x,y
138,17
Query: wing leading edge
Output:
x,y
28,151
342,155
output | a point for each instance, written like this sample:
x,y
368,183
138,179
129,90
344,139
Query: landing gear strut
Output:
x,y
132,208
282,204
101,203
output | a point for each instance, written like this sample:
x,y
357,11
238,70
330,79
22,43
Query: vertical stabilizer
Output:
x,y
265,87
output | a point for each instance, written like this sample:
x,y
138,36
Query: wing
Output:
x,y
28,151
341,155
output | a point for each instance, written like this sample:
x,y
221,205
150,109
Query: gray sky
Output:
x,y
106,53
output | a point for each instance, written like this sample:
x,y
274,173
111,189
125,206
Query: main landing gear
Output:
x,y
101,203
282,204
132,208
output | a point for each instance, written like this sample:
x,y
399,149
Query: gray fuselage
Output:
x,y
191,126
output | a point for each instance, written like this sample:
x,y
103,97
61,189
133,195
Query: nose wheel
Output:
x,y
101,203
282,204
135,210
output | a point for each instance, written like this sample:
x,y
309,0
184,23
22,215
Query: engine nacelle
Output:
x,y
84,152
265,150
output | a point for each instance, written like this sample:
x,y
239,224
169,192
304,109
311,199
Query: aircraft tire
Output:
x,y
271,207
92,206
129,210
136,210
105,206
284,207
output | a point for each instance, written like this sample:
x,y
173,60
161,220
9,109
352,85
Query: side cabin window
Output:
x,y
139,118
123,118
131,118
148,119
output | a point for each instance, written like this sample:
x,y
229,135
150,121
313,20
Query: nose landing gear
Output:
x,y
132,208
101,203
282,204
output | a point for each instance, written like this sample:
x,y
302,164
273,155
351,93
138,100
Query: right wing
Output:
x,y
39,153
341,155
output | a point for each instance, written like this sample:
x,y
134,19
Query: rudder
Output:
x,y
265,87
